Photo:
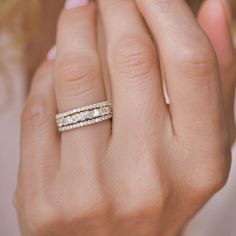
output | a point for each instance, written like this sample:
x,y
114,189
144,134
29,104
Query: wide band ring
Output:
x,y
84,116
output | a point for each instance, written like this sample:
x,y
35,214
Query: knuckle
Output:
x,y
82,205
56,213
41,216
76,74
137,209
146,199
197,62
207,183
208,187
36,111
96,209
84,211
134,56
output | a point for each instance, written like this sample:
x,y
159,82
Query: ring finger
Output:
x,y
78,82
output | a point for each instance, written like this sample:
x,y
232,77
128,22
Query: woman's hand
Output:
x,y
154,166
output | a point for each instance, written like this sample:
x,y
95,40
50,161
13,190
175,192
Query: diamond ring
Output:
x,y
84,116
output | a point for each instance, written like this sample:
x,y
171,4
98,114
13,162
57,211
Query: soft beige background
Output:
x,y
10,109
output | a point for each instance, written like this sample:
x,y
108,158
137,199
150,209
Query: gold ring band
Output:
x,y
84,116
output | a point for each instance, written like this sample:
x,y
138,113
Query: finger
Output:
x,y
77,65
138,101
78,78
189,65
217,13
79,82
103,59
39,145
133,63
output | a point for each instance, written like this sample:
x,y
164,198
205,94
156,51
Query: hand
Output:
x,y
154,166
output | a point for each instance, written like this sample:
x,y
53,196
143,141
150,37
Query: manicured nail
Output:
x,y
228,10
75,3
52,53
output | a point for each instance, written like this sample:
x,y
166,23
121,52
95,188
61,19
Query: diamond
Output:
x,y
75,119
68,120
90,115
78,117
96,113
104,110
83,116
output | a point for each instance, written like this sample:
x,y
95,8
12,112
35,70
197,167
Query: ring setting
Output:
x,y
84,116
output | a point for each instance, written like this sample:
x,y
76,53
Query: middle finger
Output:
x,y
133,64
138,102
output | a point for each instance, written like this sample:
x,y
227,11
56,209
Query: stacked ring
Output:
x,y
84,116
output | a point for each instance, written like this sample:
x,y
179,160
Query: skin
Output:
x,y
154,166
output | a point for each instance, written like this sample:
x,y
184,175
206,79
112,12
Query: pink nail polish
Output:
x,y
75,3
52,53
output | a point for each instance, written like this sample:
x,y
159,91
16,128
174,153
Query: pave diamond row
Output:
x,y
84,116
85,123
84,108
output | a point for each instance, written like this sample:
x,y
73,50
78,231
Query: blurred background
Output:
x,y
27,31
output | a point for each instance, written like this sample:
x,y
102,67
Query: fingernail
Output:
x,y
227,9
52,53
75,3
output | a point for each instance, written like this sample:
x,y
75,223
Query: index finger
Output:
x,y
39,143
